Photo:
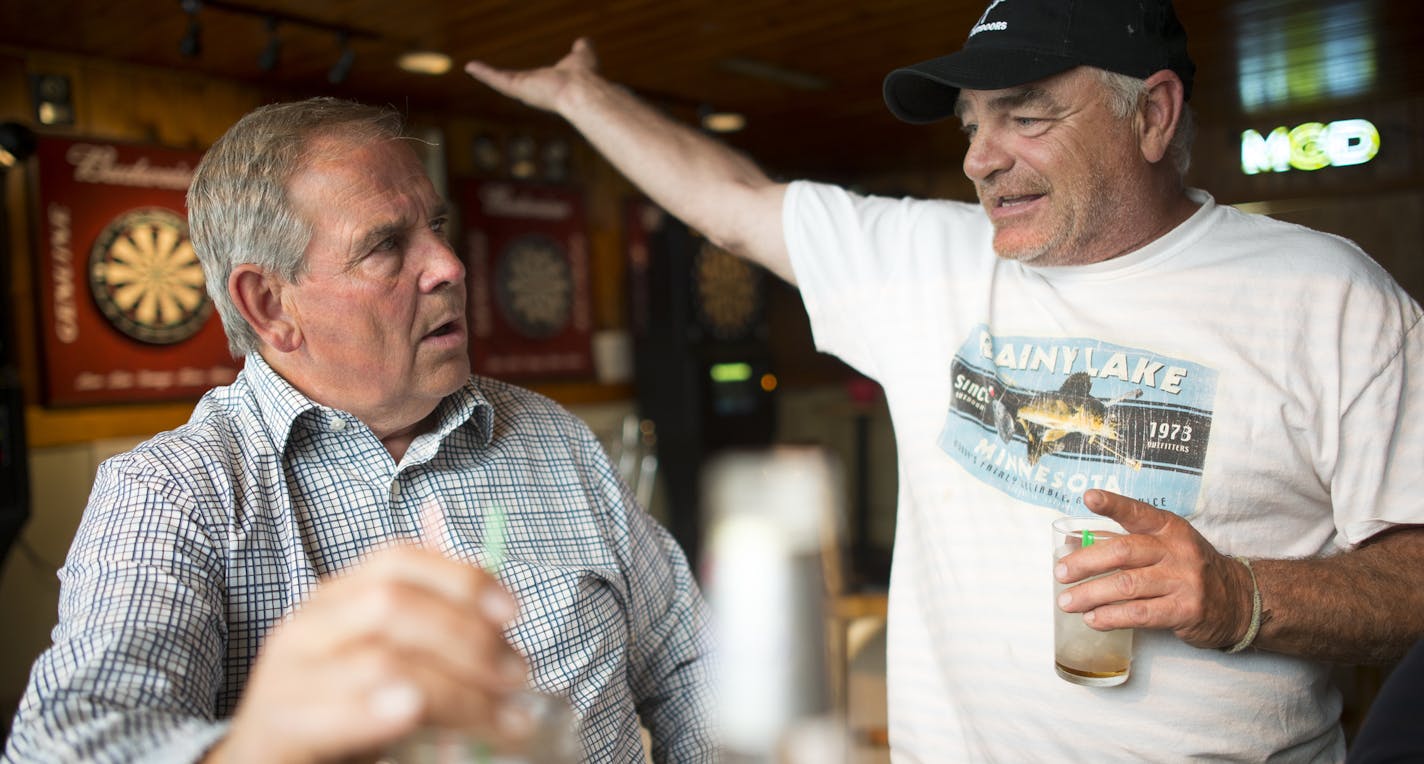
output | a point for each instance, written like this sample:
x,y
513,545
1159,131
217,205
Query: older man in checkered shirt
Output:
x,y
295,574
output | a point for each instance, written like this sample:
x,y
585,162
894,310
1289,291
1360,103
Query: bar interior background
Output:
x,y
797,83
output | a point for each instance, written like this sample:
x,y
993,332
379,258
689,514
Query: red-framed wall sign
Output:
x,y
124,314
528,279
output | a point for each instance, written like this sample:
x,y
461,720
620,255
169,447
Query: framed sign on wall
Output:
x,y
528,279
124,313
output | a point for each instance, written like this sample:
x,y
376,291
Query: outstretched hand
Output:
x,y
540,88
1168,577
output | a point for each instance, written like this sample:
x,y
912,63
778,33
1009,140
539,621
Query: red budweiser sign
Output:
x,y
124,314
528,271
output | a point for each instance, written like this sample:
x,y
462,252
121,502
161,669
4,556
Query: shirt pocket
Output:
x,y
572,626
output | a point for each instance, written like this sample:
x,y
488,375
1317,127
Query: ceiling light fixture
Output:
x,y
54,104
431,62
191,46
342,68
17,143
717,121
761,70
270,55
272,51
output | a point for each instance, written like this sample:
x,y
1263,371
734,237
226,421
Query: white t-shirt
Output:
x,y
1245,373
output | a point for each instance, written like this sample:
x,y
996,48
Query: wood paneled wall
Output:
x,y
131,103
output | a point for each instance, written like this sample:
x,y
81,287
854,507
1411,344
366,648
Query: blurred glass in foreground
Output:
x,y
771,516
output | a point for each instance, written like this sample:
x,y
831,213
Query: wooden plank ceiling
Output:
x,y
806,73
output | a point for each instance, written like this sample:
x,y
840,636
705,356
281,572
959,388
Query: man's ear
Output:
x,y
258,297
1160,113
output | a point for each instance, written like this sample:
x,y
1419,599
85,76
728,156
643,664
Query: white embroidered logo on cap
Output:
x,y
989,26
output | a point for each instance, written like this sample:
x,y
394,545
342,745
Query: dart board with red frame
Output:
x,y
124,314
528,279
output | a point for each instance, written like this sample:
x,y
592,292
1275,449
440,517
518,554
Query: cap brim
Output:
x,y
927,91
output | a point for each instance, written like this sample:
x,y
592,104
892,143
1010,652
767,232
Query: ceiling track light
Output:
x,y
17,143
342,68
272,51
191,46
269,58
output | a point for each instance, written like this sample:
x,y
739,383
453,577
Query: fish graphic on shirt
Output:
x,y
1048,418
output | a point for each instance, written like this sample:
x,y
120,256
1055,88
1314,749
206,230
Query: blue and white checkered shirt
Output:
x,y
196,543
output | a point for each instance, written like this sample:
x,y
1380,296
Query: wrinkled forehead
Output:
x,y
344,147
390,163
345,180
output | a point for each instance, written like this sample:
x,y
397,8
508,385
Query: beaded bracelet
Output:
x,y
1255,627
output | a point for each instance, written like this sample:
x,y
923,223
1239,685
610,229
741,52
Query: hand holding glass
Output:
x,y
553,737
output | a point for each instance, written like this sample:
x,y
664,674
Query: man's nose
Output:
x,y
443,265
986,156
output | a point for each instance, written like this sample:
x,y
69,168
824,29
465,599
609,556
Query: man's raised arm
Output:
x,y
706,184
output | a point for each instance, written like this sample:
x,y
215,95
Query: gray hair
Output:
x,y
238,210
1125,94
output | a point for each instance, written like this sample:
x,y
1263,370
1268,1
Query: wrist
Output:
x,y
583,94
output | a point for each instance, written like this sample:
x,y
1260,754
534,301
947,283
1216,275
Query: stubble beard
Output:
x,y
1070,232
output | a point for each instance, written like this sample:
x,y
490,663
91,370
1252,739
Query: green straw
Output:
x,y
479,750
1088,538
494,560
432,520
494,539
433,532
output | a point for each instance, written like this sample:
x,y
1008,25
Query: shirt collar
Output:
x,y
1166,245
278,403
281,406
466,405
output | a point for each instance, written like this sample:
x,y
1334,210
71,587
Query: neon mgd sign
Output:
x,y
1311,146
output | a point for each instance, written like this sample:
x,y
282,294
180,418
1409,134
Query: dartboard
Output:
x,y
728,292
534,286
145,278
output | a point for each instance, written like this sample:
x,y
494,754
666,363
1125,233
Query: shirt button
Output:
x,y
336,423
395,490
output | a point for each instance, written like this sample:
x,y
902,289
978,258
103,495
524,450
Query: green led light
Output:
x,y
730,372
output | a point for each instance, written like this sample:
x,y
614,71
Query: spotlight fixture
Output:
x,y
191,46
431,62
342,68
17,143
53,104
276,21
272,52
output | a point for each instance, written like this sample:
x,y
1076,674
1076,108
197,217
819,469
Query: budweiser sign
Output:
x,y
124,311
100,164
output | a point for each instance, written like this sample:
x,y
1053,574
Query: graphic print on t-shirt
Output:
x,y
1045,418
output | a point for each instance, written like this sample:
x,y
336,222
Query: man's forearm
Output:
x,y
712,187
1363,606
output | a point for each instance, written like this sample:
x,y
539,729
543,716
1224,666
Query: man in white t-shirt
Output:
x,y
1254,387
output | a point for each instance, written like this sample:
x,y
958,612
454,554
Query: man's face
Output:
x,y
381,307
1060,176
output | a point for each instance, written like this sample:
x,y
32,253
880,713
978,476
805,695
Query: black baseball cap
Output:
x,y
1016,42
